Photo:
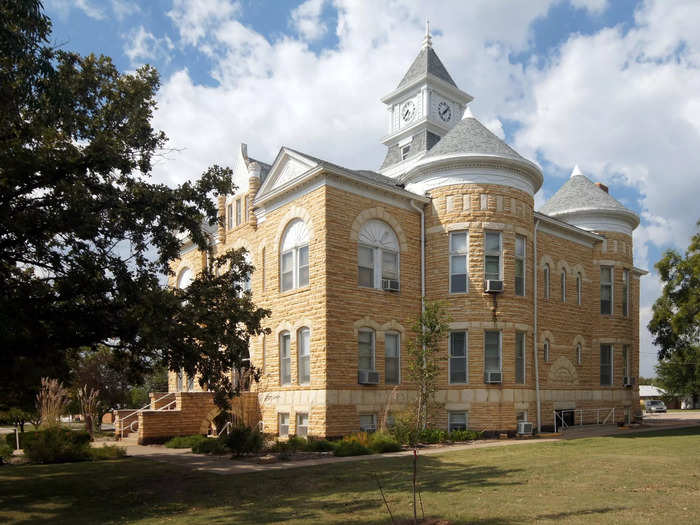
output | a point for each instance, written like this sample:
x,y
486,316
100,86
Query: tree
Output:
x,y
86,237
431,327
675,324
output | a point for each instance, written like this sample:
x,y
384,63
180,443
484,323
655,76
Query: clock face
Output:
x,y
444,111
408,110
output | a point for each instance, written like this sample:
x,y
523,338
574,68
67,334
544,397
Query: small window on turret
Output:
x,y
404,151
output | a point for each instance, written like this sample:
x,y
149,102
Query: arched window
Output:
x,y
248,279
378,256
579,288
294,256
546,281
545,351
304,355
285,359
184,279
563,286
579,356
178,381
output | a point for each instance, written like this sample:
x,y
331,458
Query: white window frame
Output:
x,y
609,284
545,351
373,348
612,362
378,252
450,416
466,358
239,214
299,419
281,416
579,289
246,211
372,427
500,354
579,354
296,267
625,293
179,382
563,286
546,280
459,253
405,151
398,357
229,212
522,259
306,356
523,350
285,358
493,254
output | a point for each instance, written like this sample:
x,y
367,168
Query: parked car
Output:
x,y
654,405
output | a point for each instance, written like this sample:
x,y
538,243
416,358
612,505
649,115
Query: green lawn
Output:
x,y
643,478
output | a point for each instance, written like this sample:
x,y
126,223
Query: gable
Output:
x,y
288,166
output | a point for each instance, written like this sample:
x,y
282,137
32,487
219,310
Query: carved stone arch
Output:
x,y
295,212
578,268
546,259
180,275
393,326
301,324
546,334
562,372
283,327
366,322
381,214
579,339
563,265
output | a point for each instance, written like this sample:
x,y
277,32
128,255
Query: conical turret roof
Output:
x,y
580,193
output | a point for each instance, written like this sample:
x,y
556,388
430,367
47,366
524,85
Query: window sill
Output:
x,y
372,288
294,291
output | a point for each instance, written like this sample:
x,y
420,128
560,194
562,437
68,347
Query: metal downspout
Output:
x,y
534,336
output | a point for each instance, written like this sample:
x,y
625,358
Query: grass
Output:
x,y
642,478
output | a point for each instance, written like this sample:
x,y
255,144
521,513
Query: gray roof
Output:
x,y
426,62
580,193
471,136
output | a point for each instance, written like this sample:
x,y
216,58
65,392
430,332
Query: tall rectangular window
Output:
x,y
563,286
304,356
578,289
303,278
520,358
458,357
625,292
492,355
456,421
283,421
606,290
245,207
626,362
365,349
288,270
606,365
238,212
285,359
229,215
365,258
492,256
302,424
459,242
519,265
392,358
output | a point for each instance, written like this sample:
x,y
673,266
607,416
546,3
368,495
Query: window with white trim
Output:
x,y
285,359
579,289
294,259
283,422
520,265
606,365
378,256
392,358
606,290
185,278
248,278
458,367
302,424
245,208
520,358
304,355
579,354
457,420
405,150
563,286
625,292
626,361
368,422
459,262
365,349
545,351
492,256
178,381
492,353
545,280
238,212
229,215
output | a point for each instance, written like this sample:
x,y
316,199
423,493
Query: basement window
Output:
x,y
456,421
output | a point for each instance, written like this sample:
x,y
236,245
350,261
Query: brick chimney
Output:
x,y
602,186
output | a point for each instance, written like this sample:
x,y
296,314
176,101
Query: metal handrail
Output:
x,y
226,426
142,409
563,425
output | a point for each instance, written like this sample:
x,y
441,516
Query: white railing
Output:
x,y
225,429
578,413
122,420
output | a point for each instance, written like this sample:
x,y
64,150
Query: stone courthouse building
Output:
x,y
544,305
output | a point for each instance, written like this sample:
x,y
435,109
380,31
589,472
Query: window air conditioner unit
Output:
x,y
390,284
493,377
524,428
494,286
367,377
628,381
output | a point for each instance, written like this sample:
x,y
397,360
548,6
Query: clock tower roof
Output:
x,y
427,62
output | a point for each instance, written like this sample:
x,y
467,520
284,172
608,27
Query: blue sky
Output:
x,y
613,86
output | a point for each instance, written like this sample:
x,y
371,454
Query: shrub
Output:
x,y
432,435
184,441
404,429
382,442
57,445
210,446
320,445
5,453
10,438
107,452
348,447
244,440
463,435
297,443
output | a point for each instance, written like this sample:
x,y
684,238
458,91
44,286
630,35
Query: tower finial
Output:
x,y
427,41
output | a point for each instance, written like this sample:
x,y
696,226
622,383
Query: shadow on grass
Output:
x,y
673,432
132,489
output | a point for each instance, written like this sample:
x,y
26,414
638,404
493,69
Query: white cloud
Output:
x,y
124,8
141,45
63,8
195,18
594,6
306,19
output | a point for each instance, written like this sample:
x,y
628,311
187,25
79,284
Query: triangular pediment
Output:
x,y
287,166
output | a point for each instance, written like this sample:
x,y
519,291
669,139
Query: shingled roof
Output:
x,y
426,62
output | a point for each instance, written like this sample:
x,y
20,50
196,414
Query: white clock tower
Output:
x,y
426,104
